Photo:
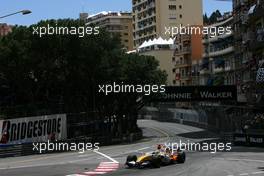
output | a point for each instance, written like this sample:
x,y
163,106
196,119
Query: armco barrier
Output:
x,y
7,150
16,150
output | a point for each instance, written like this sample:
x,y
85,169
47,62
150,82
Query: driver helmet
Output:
x,y
159,147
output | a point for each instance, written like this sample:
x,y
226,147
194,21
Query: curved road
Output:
x,y
240,161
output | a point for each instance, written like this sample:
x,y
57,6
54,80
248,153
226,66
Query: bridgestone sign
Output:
x,y
33,129
198,93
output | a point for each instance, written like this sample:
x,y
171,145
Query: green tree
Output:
x,y
65,70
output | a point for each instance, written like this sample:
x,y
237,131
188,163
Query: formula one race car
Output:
x,y
156,159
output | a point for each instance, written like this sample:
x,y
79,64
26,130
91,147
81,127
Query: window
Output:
x,y
180,15
172,7
180,6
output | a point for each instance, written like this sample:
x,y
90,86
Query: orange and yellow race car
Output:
x,y
162,156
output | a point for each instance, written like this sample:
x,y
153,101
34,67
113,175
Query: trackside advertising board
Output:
x,y
198,93
33,129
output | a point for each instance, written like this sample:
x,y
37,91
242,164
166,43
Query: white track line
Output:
x,y
255,173
106,156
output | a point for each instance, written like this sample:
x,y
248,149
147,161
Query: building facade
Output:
x,y
151,18
249,48
162,50
188,51
5,29
218,64
118,23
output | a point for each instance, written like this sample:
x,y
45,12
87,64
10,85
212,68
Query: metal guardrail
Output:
x,y
7,150
16,150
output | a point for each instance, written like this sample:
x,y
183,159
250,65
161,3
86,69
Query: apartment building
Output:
x,y
162,50
83,16
5,29
152,17
249,48
118,23
188,51
218,64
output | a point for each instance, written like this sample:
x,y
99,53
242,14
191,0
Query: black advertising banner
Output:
x,y
198,93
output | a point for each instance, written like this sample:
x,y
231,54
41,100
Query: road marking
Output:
x,y
94,173
142,149
102,168
106,156
123,153
234,159
255,173
46,164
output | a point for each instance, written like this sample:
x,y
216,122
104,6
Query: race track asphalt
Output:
x,y
240,161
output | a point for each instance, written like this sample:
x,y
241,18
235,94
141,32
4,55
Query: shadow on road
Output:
x,y
261,168
199,135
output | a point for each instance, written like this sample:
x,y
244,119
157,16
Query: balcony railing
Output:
x,y
204,71
218,70
220,52
184,50
260,35
258,40
179,64
185,77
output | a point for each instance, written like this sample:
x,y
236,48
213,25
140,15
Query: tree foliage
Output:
x,y
213,17
66,70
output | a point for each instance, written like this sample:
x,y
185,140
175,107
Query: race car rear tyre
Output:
x,y
182,158
131,158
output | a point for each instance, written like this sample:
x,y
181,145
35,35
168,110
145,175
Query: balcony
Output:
x,y
185,38
258,40
260,75
204,72
218,70
216,38
229,68
219,52
184,50
257,13
247,37
185,77
239,4
180,64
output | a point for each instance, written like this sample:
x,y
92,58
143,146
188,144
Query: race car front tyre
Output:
x,y
131,158
181,158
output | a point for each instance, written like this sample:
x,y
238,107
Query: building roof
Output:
x,y
105,13
156,41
